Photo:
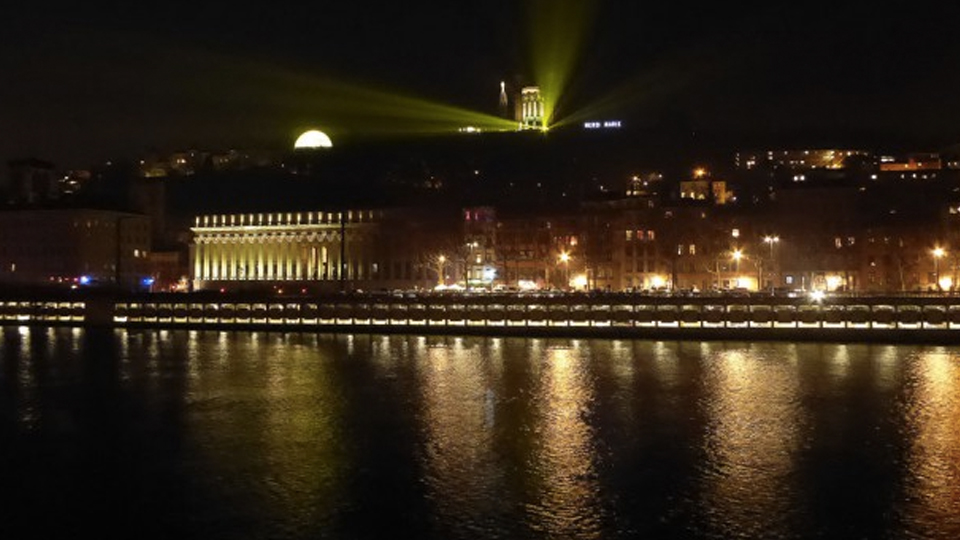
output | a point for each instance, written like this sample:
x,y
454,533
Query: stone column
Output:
x,y
198,260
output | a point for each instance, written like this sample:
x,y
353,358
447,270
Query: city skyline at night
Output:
x,y
90,84
480,269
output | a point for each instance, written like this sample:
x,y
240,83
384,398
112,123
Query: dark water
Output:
x,y
221,435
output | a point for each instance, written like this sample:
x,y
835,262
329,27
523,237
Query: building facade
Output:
x,y
309,251
530,112
74,247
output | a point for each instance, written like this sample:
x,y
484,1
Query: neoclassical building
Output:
x,y
325,250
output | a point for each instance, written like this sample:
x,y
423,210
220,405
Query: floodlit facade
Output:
x,y
529,108
314,250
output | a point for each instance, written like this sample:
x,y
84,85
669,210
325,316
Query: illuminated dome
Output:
x,y
313,139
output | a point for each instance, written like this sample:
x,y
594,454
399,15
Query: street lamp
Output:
x,y
565,259
737,255
771,240
938,254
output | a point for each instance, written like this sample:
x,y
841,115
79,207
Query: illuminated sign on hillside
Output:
x,y
606,124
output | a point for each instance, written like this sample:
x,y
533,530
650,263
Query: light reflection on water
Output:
x,y
566,497
932,416
28,413
753,431
288,436
264,426
458,393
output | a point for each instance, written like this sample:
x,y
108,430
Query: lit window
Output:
x,y
693,249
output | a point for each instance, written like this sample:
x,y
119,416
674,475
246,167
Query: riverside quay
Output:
x,y
929,318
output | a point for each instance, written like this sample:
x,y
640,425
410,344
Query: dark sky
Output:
x,y
88,83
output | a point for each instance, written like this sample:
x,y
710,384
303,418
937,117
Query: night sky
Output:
x,y
89,83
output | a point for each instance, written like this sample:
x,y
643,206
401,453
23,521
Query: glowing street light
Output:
x,y
938,253
737,255
771,240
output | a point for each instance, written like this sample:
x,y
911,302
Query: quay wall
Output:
x,y
933,319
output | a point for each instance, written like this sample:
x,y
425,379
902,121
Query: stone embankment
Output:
x,y
918,318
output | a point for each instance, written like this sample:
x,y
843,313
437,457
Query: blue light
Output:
x,y
84,280
147,281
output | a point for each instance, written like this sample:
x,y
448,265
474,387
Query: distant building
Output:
x,y
796,159
526,252
704,188
74,181
191,162
911,162
913,166
479,252
644,185
32,181
181,163
636,244
73,246
529,109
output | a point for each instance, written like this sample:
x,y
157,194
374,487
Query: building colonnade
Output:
x,y
286,247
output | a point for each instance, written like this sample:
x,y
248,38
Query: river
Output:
x,y
215,434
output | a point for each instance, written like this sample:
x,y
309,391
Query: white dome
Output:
x,y
313,139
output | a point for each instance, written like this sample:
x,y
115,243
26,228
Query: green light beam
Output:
x,y
558,29
270,95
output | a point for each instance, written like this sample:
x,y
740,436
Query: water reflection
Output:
x,y
933,463
887,374
264,416
459,393
191,434
754,414
567,500
28,409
